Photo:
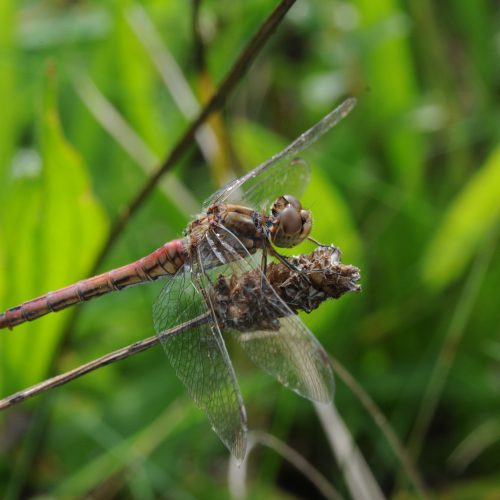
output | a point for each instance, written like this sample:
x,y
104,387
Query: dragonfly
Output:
x,y
239,228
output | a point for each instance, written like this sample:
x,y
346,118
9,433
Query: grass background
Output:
x,y
408,186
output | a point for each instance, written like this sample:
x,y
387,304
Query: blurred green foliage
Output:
x,y
408,186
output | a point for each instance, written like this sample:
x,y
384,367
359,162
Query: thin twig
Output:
x,y
236,73
234,76
108,359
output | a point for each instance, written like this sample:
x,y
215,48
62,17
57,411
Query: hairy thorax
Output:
x,y
242,222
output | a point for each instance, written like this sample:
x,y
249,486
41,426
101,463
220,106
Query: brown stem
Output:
x,y
238,70
109,358
235,74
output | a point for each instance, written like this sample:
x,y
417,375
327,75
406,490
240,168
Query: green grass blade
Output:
x,y
465,223
53,228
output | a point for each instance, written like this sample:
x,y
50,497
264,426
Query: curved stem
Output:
x,y
112,357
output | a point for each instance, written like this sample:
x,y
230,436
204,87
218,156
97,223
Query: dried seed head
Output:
x,y
245,303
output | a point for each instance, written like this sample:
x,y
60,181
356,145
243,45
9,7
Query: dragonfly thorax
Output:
x,y
291,224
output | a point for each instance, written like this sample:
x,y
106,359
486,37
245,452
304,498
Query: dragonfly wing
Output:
x,y
259,191
287,349
293,356
200,360
278,175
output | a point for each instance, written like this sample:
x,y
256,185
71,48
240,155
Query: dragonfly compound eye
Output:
x,y
291,200
290,220
306,223
292,224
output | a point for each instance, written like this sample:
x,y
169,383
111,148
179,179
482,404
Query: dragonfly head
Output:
x,y
291,224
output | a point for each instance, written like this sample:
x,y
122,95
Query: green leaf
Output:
x,y
389,72
466,222
9,96
51,230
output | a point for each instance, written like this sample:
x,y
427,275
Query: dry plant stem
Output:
x,y
236,73
124,352
379,418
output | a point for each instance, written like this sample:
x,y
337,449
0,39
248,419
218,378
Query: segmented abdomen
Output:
x,y
166,260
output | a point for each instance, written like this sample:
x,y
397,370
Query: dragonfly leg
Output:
x,y
303,273
316,242
284,260
263,265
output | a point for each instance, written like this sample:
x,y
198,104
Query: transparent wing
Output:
x,y
259,192
285,348
293,356
200,360
279,175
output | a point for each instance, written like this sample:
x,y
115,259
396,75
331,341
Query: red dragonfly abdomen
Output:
x,y
166,260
